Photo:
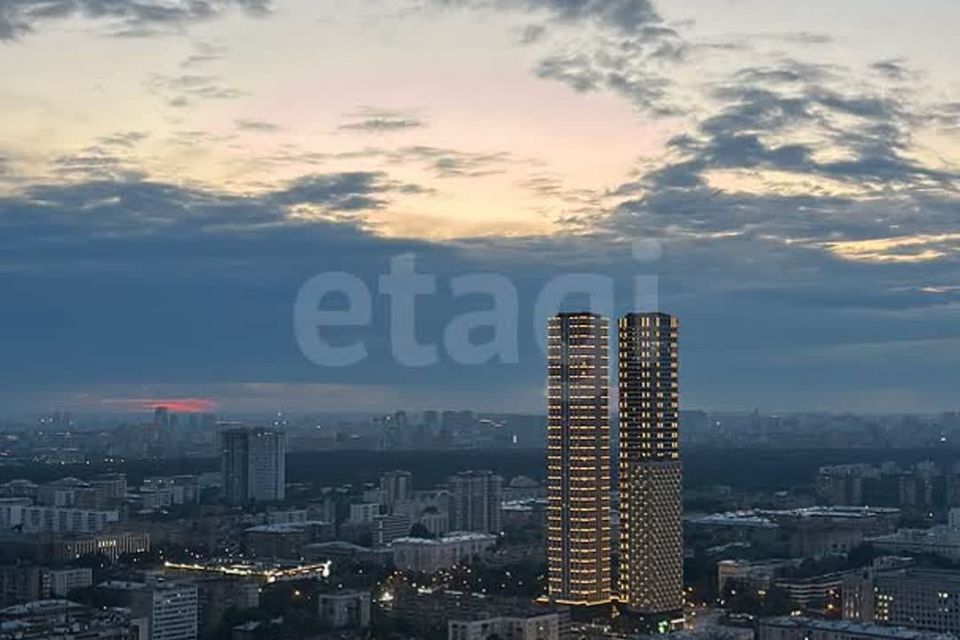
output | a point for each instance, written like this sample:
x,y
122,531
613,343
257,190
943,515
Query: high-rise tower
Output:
x,y
578,459
651,507
253,462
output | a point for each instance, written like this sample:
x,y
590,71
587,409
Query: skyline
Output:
x,y
167,188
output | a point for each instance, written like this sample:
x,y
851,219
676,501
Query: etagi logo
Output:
x,y
402,285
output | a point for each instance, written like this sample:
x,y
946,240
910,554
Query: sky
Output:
x,y
784,177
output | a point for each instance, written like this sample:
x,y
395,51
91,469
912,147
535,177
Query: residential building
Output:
x,y
253,461
799,628
170,608
906,596
344,609
650,473
578,459
475,498
428,555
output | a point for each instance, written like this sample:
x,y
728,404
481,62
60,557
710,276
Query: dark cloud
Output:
x,y
628,56
627,67
133,17
374,120
804,119
108,283
355,191
621,15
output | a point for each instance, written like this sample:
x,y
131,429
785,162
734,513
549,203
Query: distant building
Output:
x,y
20,583
216,595
289,516
285,541
45,519
364,512
808,531
942,540
62,581
253,461
170,608
473,616
397,486
176,490
542,626
427,555
111,545
339,551
475,498
909,596
387,528
797,628
344,609
65,620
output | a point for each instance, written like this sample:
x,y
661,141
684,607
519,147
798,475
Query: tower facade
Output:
x,y
253,462
578,459
650,473
475,498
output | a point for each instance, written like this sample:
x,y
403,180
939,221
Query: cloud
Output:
x,y
623,46
133,17
621,15
623,68
203,53
805,123
184,90
257,126
892,69
374,120
451,163
123,139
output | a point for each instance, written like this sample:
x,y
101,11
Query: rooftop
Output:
x,y
856,628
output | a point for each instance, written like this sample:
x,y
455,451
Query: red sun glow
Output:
x,y
174,405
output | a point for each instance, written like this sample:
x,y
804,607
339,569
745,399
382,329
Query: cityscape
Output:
x,y
479,320
140,533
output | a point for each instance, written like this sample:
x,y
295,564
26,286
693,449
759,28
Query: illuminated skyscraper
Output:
x,y
578,459
651,540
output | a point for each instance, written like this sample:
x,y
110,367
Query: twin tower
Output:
x,y
579,546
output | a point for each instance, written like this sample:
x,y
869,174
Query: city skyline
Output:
x,y
786,177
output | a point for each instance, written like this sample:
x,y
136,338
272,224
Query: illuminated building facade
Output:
x,y
578,459
650,474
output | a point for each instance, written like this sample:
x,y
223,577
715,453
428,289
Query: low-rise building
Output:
x,y
467,616
285,540
62,581
53,519
364,512
111,545
428,555
798,628
387,528
338,551
907,596
65,620
543,626
344,609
